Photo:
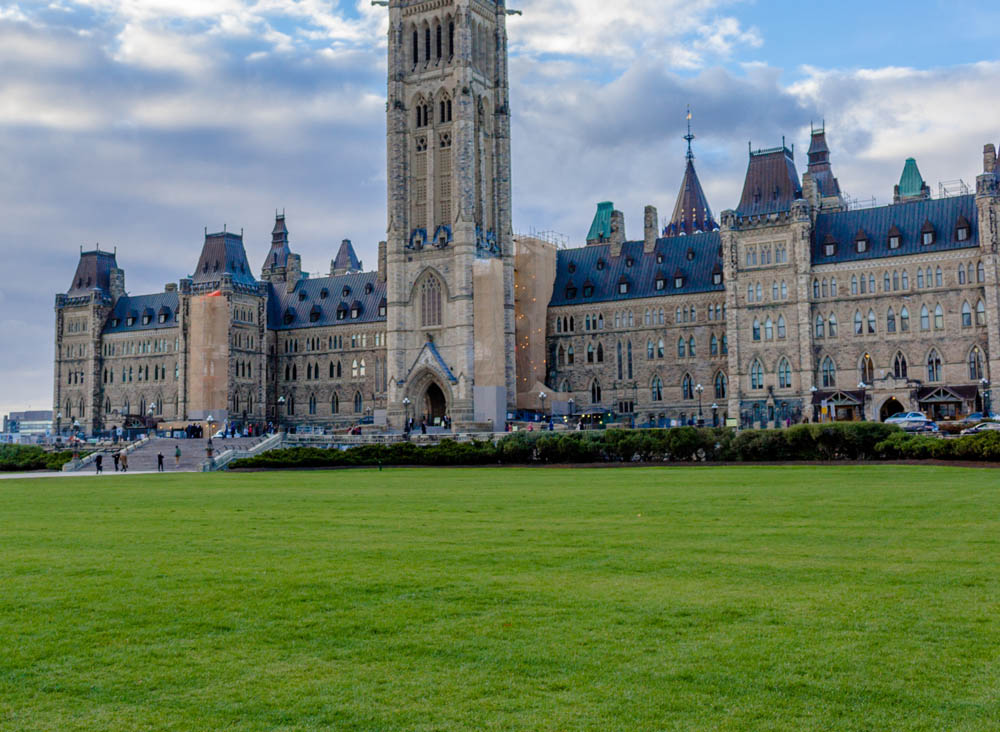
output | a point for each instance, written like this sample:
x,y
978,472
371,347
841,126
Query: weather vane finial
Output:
x,y
689,137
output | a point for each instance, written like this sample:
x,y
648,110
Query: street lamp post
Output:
x,y
542,396
812,391
406,414
59,425
699,389
715,414
209,449
863,387
987,407
281,406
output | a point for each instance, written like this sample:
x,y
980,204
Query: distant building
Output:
x,y
28,424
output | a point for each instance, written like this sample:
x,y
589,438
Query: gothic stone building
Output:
x,y
786,307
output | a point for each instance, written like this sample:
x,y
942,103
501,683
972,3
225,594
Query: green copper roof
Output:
x,y
600,230
911,183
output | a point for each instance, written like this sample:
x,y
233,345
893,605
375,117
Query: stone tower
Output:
x,y
450,260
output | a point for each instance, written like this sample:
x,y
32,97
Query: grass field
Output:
x,y
847,598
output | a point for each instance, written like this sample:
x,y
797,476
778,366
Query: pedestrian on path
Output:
x,y
124,461
177,457
159,462
99,463
115,458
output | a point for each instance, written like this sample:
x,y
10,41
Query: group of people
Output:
x,y
120,460
412,425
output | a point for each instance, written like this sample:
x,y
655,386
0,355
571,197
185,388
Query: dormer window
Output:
x,y
324,293
600,264
163,317
623,286
571,268
382,309
861,245
927,234
342,311
302,296
717,278
369,288
962,229
690,255
147,319
661,283
115,322
629,262
346,291
289,317
355,312
659,259
588,290
829,246
895,241
570,292
678,282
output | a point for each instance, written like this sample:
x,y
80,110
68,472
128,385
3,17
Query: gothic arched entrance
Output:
x,y
435,405
891,408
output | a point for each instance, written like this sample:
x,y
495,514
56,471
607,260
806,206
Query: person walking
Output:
x,y
124,462
423,426
159,462
99,463
177,456
115,458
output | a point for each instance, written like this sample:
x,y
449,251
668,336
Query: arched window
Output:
x,y
561,356
980,318
867,369
904,320
905,278
920,278
933,366
591,351
628,349
961,274
899,366
595,392
826,288
975,364
784,290
871,322
661,349
713,346
890,321
756,330
859,323
980,273
854,284
600,353
829,373
650,351
359,402
820,326
938,278
756,375
681,347
687,387
886,282
768,329
784,374
925,318
781,326
645,317
871,283
895,281
760,293
312,404
691,353
966,315
774,290
335,404
721,386
430,302
815,289
938,318
619,361
570,356
656,390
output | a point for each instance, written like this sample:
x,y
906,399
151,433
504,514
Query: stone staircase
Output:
x,y
143,458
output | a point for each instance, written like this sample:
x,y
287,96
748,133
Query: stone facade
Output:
x,y
793,306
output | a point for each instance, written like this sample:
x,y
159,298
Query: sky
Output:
x,y
137,124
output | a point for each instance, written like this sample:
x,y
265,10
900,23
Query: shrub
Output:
x,y
21,458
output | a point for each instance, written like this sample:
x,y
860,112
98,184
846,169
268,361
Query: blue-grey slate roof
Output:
x,y
223,253
642,275
282,301
908,218
136,305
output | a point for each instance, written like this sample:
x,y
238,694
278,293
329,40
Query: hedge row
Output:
x,y
21,458
857,441
982,447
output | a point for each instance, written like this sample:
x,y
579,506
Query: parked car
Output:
x,y
906,417
919,426
982,427
977,417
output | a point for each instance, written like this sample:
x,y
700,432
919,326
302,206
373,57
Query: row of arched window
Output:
x,y
783,370
312,404
899,280
899,368
766,255
768,332
627,319
689,390
779,291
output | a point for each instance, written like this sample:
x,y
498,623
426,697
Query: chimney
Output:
x,y
651,229
381,261
293,271
170,287
117,283
989,158
617,233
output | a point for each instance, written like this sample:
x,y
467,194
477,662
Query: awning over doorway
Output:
x,y
838,398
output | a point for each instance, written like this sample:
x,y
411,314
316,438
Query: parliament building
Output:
x,y
793,304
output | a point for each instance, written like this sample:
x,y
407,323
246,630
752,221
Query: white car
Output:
x,y
906,417
983,427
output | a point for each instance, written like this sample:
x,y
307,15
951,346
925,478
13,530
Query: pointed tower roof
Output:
x,y
691,212
93,272
911,183
819,164
772,182
347,261
223,255
278,254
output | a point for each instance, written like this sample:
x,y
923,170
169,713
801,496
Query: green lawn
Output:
x,y
800,598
